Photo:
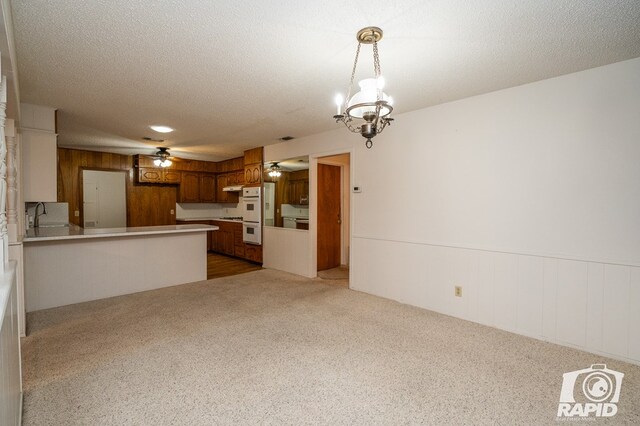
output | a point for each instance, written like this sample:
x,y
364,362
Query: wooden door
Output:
x,y
329,217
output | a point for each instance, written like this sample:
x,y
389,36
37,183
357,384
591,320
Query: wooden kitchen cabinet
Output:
x,y
239,177
170,176
297,188
197,188
253,253
207,188
238,243
253,166
228,240
223,238
253,174
157,175
223,180
189,188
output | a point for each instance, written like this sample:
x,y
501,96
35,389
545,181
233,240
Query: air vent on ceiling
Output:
x,y
147,138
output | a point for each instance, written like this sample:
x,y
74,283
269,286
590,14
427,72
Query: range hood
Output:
x,y
232,188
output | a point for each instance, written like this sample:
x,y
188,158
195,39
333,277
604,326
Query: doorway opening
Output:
x,y
333,217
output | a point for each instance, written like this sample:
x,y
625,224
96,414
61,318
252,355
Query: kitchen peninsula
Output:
x,y
65,265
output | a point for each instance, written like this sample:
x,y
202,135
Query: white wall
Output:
x,y
529,198
207,210
297,253
10,369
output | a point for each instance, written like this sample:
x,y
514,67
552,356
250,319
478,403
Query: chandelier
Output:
x,y
162,158
366,112
274,170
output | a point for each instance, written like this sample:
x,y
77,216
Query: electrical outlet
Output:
x,y
458,291
173,212
76,213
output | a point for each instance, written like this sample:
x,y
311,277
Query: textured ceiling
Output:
x,y
232,75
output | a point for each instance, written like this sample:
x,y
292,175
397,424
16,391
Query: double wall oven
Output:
x,y
252,215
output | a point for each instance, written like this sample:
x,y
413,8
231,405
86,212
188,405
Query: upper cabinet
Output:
x,y
203,181
226,179
297,188
197,188
253,166
39,153
207,188
189,188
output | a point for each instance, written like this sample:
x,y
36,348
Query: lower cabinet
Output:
x,y
252,252
228,240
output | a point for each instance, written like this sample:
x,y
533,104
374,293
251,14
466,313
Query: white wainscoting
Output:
x,y
286,250
10,370
587,305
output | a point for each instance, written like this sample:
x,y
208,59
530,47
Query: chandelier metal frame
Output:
x,y
376,120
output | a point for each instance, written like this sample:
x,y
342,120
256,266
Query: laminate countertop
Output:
x,y
73,232
199,219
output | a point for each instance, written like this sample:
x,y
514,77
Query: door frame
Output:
x,y
314,159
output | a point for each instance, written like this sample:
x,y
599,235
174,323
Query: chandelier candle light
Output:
x,y
366,112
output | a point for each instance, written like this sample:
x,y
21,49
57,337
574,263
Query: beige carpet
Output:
x,y
271,348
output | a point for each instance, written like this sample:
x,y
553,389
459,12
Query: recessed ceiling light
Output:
x,y
161,129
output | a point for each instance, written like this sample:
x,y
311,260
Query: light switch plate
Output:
x,y
357,189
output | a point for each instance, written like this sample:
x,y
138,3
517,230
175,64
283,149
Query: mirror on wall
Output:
x,y
286,193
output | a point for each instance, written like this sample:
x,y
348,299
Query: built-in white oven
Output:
x,y
251,233
251,204
252,215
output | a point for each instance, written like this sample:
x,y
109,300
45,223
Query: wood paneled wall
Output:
x,y
147,205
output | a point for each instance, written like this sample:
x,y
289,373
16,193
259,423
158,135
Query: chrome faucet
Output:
x,y
36,220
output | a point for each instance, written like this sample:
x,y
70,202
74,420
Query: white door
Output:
x,y
104,199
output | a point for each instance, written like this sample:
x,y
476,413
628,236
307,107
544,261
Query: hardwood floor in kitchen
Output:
x,y
219,265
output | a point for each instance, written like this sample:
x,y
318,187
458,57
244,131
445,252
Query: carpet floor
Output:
x,y
268,347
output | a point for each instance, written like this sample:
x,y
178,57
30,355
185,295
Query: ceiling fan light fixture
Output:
x,y
366,112
162,158
274,170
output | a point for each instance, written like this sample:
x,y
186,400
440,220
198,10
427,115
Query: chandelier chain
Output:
x,y
353,75
376,69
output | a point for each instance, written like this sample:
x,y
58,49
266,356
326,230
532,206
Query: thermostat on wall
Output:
x,y
357,189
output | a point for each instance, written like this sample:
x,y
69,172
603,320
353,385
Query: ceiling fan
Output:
x,y
162,157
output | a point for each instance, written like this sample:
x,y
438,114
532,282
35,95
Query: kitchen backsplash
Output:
x,y
57,213
289,210
188,210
